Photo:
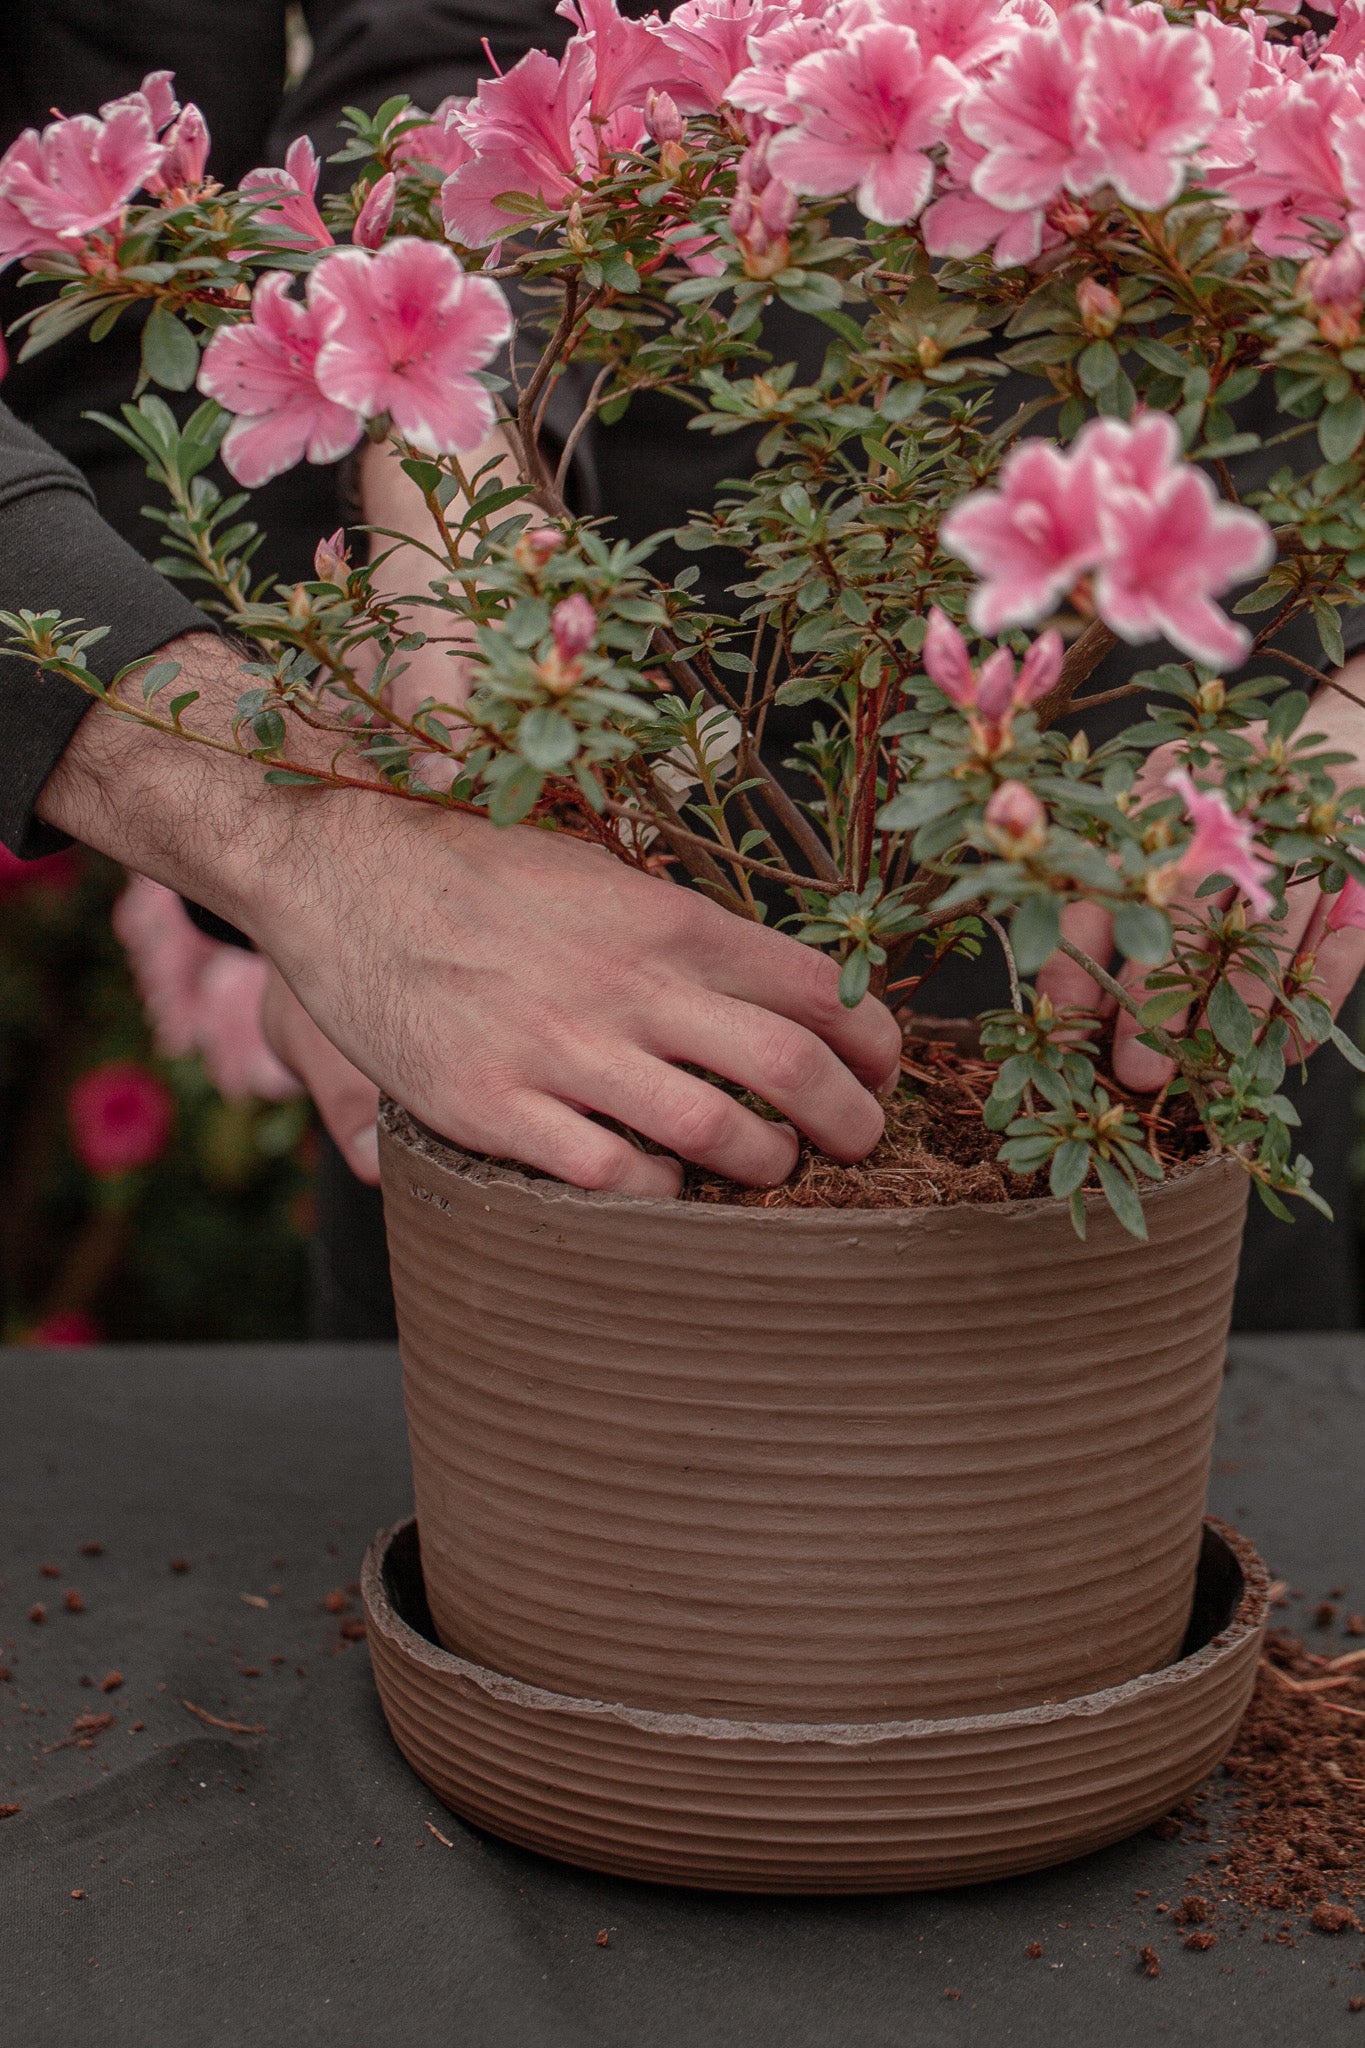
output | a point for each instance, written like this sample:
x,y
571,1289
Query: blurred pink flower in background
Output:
x,y
120,1117
65,1328
55,871
263,370
201,996
1030,539
402,332
438,142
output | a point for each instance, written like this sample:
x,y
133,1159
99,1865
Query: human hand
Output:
x,y
345,1099
509,985
1339,954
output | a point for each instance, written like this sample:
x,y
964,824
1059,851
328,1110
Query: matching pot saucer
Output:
x,y
816,1807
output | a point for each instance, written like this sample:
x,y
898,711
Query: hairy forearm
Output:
x,y
200,820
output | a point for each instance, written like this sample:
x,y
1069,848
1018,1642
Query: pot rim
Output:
x,y
414,1136
1247,1620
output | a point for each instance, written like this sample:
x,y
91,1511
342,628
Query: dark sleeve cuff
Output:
x,y
56,553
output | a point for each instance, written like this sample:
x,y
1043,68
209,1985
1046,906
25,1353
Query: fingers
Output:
x,y
557,1140
1065,984
698,1122
346,1101
786,1065
775,973
1340,963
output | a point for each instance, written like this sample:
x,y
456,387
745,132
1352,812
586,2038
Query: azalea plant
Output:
x,y
1153,215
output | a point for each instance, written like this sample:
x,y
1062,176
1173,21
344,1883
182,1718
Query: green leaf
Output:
x,y
1348,1048
1097,367
1286,713
854,978
1034,931
1230,1020
547,739
158,675
1341,427
1070,1165
1161,1008
292,776
515,794
1122,1198
170,353
1142,932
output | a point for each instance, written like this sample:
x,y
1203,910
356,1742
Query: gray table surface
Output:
x,y
288,1886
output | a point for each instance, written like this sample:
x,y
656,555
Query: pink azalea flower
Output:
x,y
263,370
200,996
968,33
762,87
1167,554
18,236
630,59
1146,101
870,109
958,223
1233,55
78,176
709,40
1223,844
1025,117
1143,454
156,93
1296,173
439,142
1348,907
1030,538
120,1118
403,332
374,218
529,131
290,199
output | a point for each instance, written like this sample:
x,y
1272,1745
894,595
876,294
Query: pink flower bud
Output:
x,y
662,119
535,547
777,206
946,660
187,153
120,1117
1334,285
1039,670
1100,309
1337,279
1016,823
331,562
995,686
573,623
372,221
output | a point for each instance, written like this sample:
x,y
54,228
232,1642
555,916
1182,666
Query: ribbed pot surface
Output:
x,y
805,1465
769,1807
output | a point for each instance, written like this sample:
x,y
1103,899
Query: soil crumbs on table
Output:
x,y
1295,1854
935,1150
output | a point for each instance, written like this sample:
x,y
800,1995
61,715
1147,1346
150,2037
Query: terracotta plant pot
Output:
x,y
763,1806
805,1465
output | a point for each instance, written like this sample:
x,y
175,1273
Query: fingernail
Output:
x,y
364,1151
